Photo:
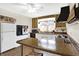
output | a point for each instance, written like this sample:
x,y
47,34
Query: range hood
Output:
x,y
64,14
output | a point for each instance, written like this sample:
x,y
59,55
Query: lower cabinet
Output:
x,y
32,35
8,41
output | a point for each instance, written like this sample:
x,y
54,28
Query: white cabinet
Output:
x,y
7,36
8,41
7,27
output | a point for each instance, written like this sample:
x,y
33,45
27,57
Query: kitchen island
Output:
x,y
55,45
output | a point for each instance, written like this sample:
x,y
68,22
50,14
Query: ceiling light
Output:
x,y
32,7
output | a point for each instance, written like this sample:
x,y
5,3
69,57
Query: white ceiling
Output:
x,y
47,9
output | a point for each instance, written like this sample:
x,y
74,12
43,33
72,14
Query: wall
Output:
x,y
20,20
73,31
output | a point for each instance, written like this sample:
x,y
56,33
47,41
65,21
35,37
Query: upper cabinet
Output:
x,y
74,13
34,23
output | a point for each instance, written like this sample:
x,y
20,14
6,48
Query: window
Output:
x,y
46,24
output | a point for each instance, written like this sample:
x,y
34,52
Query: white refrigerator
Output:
x,y
7,36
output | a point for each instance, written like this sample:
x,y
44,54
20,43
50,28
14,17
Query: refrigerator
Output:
x,y
7,36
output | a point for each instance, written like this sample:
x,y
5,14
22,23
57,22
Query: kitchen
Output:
x,y
41,28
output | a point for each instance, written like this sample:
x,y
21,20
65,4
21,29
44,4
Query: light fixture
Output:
x,y
32,7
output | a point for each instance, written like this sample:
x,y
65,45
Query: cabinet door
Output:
x,y
72,13
34,23
7,27
8,41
